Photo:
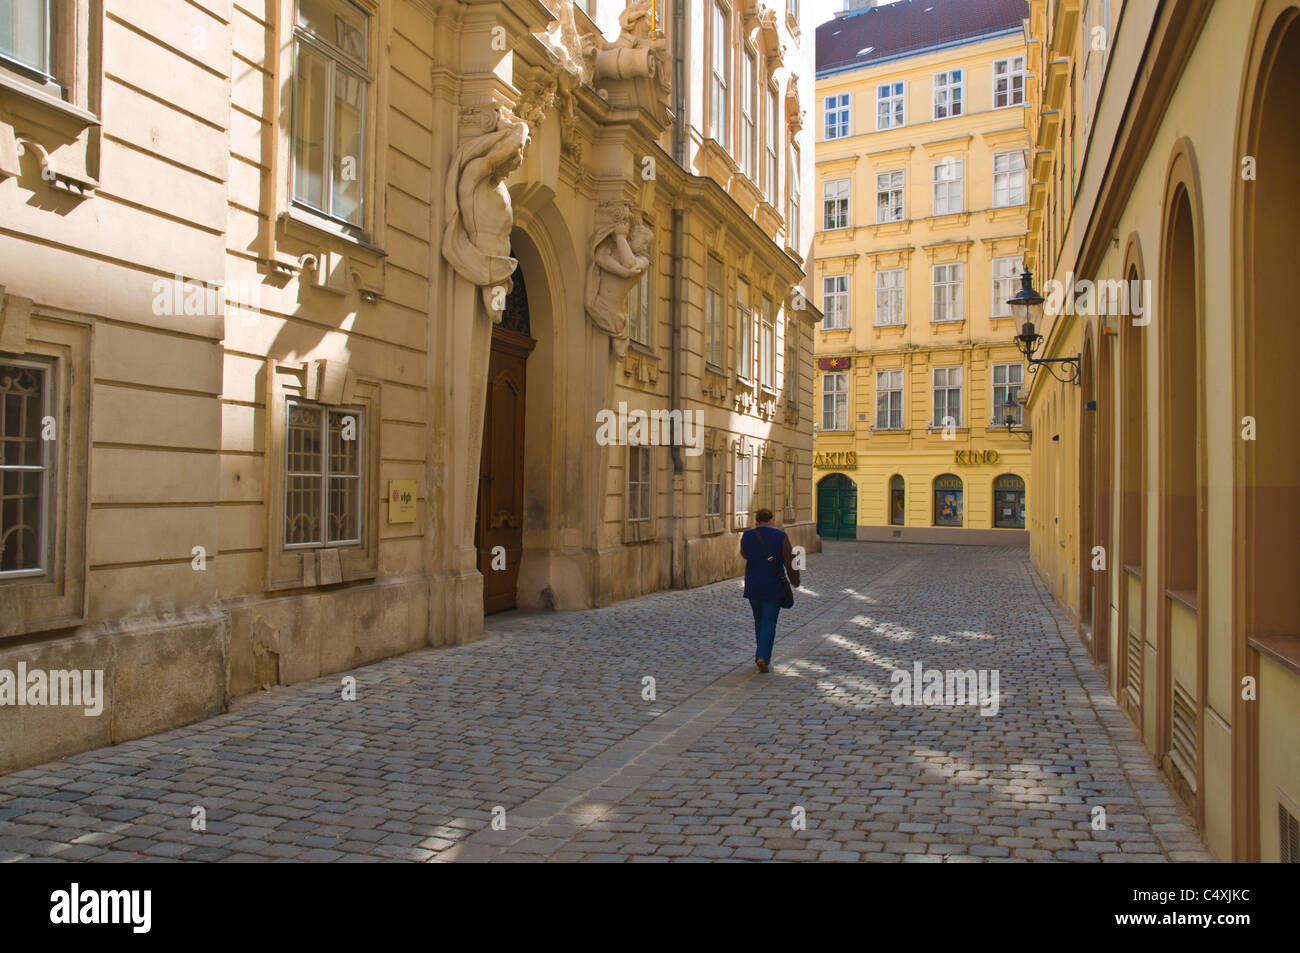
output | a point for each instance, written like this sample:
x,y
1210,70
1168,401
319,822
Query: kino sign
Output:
x,y
964,458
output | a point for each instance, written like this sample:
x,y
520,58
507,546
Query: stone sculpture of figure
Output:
x,y
620,255
476,240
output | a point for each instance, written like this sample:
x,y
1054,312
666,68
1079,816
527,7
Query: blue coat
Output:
x,y
763,579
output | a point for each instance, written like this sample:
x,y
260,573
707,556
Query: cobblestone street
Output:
x,y
546,719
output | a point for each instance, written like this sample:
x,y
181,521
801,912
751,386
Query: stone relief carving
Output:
x,y
620,254
640,52
476,239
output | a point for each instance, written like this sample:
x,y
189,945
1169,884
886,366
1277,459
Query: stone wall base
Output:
x,y
944,534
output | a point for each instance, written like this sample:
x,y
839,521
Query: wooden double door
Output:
x,y
499,524
837,508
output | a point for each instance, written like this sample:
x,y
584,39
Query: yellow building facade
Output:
x,y
1167,522
921,216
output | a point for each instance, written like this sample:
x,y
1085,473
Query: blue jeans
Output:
x,y
765,613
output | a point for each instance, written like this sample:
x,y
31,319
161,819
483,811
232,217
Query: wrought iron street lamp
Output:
x,y
1010,417
1027,307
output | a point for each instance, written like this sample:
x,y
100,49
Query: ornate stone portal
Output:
x,y
620,254
476,240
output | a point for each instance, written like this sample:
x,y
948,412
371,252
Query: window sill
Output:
x,y
44,97
893,326
305,224
768,391
1283,649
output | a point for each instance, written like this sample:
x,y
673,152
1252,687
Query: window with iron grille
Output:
x,y
323,469
889,399
26,467
331,84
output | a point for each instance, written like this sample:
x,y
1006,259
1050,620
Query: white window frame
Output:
x,y
772,169
892,185
835,386
948,280
743,484
1013,68
1008,388
744,332
949,104
43,71
767,346
838,114
748,113
719,66
793,223
891,297
949,386
713,482
638,310
840,192
1005,174
889,398
640,483
325,474
714,311
1006,280
46,509
948,187
891,106
835,302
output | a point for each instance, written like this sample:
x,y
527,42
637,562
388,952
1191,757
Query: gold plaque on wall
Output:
x,y
401,501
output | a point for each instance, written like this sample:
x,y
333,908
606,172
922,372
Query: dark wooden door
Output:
x,y
499,527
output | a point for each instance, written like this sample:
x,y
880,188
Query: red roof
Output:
x,y
910,26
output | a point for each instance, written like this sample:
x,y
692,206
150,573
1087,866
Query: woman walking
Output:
x,y
765,581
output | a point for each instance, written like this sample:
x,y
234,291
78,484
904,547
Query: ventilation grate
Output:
x,y
1183,742
1288,831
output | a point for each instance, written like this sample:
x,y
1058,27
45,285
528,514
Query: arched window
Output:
x,y
947,500
1009,502
897,501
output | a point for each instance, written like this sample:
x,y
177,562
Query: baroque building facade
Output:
x,y
1163,203
921,183
327,326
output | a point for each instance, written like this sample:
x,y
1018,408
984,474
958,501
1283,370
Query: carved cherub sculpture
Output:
x,y
620,255
476,240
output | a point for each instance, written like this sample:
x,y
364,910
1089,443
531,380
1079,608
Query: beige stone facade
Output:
x,y
259,315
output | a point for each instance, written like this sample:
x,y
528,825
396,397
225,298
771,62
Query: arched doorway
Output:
x,y
948,503
897,500
837,507
499,523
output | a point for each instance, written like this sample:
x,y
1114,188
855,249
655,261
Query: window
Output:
x,y
713,483
713,314
765,494
638,310
897,511
1006,279
744,480
770,173
721,66
835,401
791,368
638,484
329,121
947,292
889,196
1007,380
889,106
1008,179
948,191
792,223
889,399
748,91
25,33
767,347
947,396
1009,502
837,116
791,482
889,297
26,467
947,500
1008,82
744,333
835,302
835,204
947,94
322,493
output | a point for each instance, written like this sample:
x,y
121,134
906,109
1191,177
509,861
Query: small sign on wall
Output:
x,y
401,501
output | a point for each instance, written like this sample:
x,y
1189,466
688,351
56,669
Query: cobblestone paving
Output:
x,y
546,719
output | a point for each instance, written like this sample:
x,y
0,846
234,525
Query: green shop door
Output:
x,y
837,507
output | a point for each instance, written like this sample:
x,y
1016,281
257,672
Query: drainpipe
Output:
x,y
677,559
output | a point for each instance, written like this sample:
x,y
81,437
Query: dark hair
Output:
x,y
763,516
